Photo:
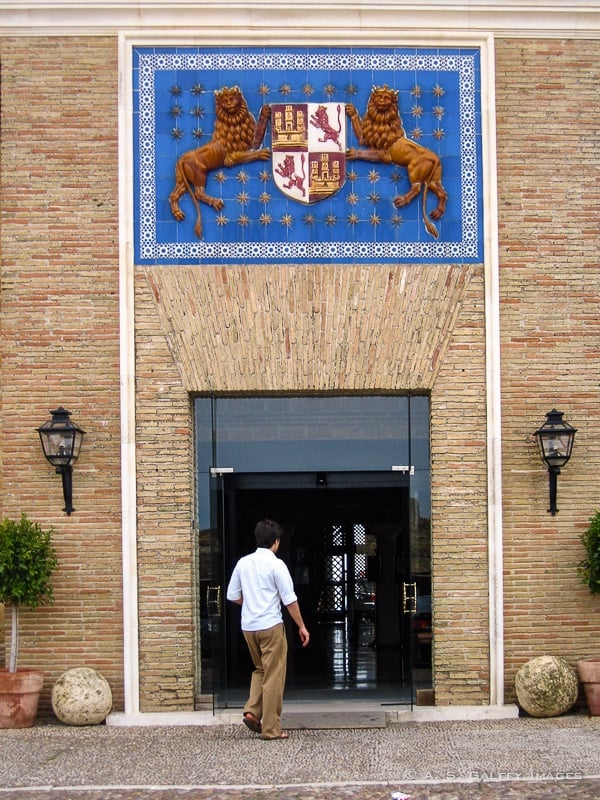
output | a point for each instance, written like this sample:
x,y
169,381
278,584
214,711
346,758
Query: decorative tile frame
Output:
x,y
173,112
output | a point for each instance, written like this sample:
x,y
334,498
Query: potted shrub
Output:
x,y
589,568
27,561
589,668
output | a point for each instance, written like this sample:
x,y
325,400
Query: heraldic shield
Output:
x,y
309,149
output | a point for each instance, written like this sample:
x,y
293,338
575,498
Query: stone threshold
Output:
x,y
393,714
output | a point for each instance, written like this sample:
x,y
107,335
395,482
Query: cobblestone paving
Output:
x,y
515,759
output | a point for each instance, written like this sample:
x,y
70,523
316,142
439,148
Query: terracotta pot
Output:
x,y
19,697
589,675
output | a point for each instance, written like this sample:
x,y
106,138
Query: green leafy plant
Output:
x,y
27,561
589,568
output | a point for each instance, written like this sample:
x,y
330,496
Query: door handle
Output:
x,y
409,598
213,600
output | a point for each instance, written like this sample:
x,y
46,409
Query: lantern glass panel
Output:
x,y
58,446
555,447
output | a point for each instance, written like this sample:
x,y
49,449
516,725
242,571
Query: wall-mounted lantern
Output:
x,y
555,440
61,443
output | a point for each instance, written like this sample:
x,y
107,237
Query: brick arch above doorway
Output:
x,y
316,328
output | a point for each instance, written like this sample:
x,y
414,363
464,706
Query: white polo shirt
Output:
x,y
264,582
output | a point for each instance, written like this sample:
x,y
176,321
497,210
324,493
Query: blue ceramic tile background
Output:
x,y
174,112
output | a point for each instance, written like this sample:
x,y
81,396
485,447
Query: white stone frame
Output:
x,y
384,36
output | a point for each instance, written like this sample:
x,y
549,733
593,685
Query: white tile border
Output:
x,y
438,62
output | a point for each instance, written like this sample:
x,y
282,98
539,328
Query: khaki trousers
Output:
x,y
268,650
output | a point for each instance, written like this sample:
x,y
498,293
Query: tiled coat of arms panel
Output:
x,y
297,155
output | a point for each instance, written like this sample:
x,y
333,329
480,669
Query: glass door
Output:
x,y
350,480
225,627
416,589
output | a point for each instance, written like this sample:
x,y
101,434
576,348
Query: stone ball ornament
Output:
x,y
546,686
81,696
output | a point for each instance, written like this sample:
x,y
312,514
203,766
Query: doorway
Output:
x,y
357,546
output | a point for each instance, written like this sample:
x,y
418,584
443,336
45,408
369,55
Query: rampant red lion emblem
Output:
x,y
320,120
287,169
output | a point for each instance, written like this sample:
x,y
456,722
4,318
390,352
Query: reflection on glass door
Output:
x,y
212,611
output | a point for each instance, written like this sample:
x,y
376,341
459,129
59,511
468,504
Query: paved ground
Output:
x,y
516,759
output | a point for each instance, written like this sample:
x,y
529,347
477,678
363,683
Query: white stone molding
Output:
x,y
351,21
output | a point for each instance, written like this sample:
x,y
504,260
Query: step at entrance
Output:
x,y
331,720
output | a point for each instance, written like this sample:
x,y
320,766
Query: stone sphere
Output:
x,y
546,686
81,696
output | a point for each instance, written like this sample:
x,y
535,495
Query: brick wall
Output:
x,y
313,328
60,342
549,168
459,511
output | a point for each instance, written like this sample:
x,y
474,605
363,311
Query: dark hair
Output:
x,y
267,532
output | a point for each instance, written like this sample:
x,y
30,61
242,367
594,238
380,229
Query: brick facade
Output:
x,y
60,335
548,170
286,328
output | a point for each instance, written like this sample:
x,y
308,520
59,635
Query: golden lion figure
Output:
x,y
381,131
235,140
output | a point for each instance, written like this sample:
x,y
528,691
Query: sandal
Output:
x,y
283,735
252,722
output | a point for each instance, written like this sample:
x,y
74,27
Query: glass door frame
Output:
x,y
214,494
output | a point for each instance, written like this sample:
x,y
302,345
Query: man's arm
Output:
x,y
234,588
294,610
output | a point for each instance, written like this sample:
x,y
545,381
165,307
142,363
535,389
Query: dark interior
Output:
x,y
348,549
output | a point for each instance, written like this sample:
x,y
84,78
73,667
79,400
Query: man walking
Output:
x,y
260,584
